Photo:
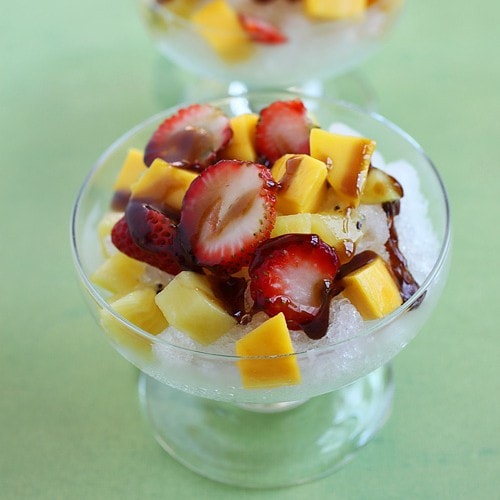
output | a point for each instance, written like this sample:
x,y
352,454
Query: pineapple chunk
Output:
x,y
272,338
335,9
164,184
104,229
289,224
242,144
348,158
340,231
190,305
119,274
302,180
372,289
139,308
219,24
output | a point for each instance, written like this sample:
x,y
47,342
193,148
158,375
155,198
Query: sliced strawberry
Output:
x,y
122,239
283,127
191,138
294,274
227,211
261,31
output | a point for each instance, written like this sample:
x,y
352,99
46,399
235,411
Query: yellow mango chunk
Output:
x,y
133,167
348,158
119,274
218,23
164,184
242,144
303,183
139,308
335,9
189,304
372,289
380,187
289,224
272,338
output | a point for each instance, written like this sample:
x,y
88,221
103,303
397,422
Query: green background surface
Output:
x,y
76,75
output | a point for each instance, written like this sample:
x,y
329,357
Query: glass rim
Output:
x,y
371,326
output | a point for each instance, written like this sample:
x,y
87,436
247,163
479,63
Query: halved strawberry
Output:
x,y
191,138
122,239
260,30
283,127
294,274
227,211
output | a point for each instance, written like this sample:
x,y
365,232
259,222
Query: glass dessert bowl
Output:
x,y
251,44
242,395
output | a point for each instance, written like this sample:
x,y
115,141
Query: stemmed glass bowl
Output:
x,y
193,396
316,55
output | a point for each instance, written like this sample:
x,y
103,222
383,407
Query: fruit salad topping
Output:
x,y
240,238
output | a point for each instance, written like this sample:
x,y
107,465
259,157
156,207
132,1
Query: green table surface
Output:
x,y
76,75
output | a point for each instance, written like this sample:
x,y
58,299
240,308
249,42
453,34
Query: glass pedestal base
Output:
x,y
264,446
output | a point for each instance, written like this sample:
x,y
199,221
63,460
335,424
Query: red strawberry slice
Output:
x,y
122,239
191,138
260,30
294,274
227,211
283,127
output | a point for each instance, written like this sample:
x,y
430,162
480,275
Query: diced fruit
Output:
x,y
380,187
290,224
348,158
139,308
133,167
104,232
272,338
293,274
219,24
191,138
261,31
228,210
335,9
163,185
122,239
189,305
242,144
118,274
371,287
283,127
341,231
302,181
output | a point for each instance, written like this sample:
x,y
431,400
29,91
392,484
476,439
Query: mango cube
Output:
x,y
335,9
242,144
303,183
372,289
271,338
139,308
164,184
133,167
189,304
348,158
218,23
119,274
